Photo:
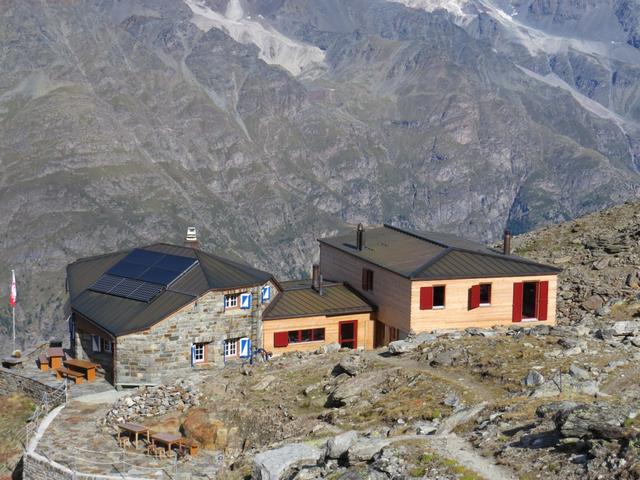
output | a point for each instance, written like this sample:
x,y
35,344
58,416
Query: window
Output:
x,y
485,294
96,343
367,279
231,301
438,296
308,335
231,347
106,345
199,353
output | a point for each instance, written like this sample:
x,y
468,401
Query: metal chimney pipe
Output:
x,y
360,237
321,285
315,277
506,243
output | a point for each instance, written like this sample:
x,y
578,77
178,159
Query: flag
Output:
x,y
13,297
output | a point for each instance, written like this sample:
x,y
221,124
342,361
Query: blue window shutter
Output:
x,y
245,347
193,354
266,294
245,301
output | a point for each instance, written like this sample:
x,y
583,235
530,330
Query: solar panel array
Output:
x,y
154,267
142,275
127,288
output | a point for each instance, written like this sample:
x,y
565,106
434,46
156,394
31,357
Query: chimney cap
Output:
x,y
191,234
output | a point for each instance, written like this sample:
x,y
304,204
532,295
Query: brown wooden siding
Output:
x,y
456,313
391,292
330,324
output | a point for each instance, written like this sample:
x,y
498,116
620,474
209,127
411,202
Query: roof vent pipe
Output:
x,y
360,237
506,244
320,286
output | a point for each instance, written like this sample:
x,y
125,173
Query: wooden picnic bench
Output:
x,y
43,362
55,356
65,372
86,369
135,429
167,440
186,444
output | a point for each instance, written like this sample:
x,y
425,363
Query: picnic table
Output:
x,y
88,368
168,440
136,429
55,356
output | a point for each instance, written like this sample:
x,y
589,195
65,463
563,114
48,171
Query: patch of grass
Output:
x,y
15,411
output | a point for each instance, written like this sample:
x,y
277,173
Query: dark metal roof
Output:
x,y
435,256
121,315
298,299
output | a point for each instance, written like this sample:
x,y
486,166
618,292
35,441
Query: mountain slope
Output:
x,y
269,124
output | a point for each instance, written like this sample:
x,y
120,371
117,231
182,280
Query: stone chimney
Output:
x,y
360,237
506,243
191,240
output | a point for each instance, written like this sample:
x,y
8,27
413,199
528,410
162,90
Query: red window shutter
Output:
x,y
543,300
517,302
426,298
281,339
474,297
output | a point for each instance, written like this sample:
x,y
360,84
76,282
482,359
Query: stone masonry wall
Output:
x,y
164,351
13,382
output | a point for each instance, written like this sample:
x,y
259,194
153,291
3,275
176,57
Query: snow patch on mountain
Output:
x,y
275,48
587,103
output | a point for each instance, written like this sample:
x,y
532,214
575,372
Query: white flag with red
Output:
x,y
14,292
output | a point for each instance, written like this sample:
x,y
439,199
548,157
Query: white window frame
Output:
x,y
107,345
231,347
199,350
96,343
232,300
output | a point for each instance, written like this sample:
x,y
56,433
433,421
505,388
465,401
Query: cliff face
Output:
x,y
269,124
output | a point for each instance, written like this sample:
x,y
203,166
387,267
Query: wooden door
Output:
x,y
348,334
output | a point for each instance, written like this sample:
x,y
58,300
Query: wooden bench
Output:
x,y
188,445
43,362
76,376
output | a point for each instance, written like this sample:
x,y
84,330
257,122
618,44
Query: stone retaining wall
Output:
x,y
13,382
38,467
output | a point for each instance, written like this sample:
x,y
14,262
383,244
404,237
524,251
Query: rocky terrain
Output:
x,y
269,124
528,402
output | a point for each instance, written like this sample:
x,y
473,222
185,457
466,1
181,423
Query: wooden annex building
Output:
x,y
425,281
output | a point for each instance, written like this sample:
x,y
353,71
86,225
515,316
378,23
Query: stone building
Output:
x,y
162,310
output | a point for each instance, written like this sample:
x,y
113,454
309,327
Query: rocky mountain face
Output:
x,y
267,124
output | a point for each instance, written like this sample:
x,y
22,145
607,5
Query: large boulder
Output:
x,y
601,421
402,346
209,432
533,379
365,449
461,416
352,365
628,327
280,463
338,445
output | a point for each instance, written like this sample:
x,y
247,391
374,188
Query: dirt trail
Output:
x,y
451,445
458,449
465,381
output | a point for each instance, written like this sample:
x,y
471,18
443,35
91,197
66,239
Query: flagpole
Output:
x,y
13,309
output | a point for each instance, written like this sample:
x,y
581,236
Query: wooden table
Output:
x,y
55,355
169,440
135,429
88,368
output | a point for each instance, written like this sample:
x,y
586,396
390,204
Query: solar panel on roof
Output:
x,y
154,267
126,288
